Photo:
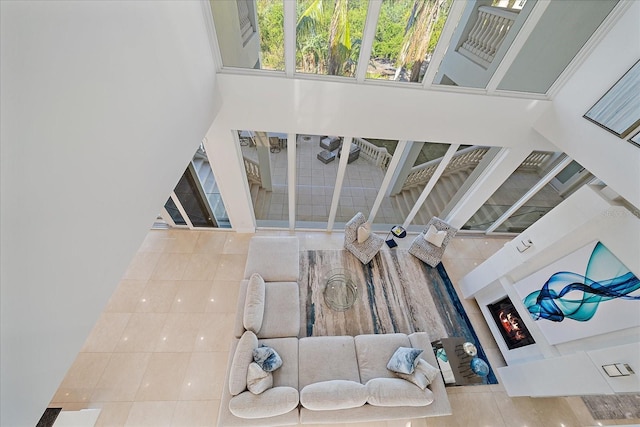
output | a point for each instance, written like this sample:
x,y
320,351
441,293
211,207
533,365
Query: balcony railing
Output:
x,y
253,171
487,34
379,156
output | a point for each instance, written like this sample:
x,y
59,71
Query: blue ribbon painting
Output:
x,y
574,296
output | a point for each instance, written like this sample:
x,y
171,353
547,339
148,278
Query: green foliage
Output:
x,y
314,50
271,24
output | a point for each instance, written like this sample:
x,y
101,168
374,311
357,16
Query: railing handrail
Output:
x,y
378,155
502,12
253,170
466,157
487,34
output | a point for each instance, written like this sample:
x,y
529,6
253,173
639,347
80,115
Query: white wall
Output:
x,y
377,111
584,217
103,105
610,158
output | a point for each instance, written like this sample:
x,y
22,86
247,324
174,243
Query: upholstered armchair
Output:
x,y
429,246
364,250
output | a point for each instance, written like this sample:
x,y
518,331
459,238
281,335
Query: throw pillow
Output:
x,y
422,376
364,231
254,304
434,236
404,360
417,378
268,359
427,369
240,364
258,380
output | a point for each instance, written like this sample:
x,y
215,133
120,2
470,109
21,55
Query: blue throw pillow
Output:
x,y
268,359
404,360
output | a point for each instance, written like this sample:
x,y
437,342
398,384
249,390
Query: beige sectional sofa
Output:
x,y
322,379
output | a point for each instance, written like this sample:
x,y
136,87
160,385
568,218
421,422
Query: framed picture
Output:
x,y
618,111
585,293
635,139
511,327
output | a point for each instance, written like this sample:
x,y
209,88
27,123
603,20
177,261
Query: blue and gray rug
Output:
x,y
396,293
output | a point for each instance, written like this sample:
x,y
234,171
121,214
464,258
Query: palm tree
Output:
x,y
339,41
417,36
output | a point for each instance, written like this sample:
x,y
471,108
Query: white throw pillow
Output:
x,y
417,378
427,369
423,374
364,231
242,358
254,304
258,380
434,236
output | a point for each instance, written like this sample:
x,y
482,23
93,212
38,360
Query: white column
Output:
x,y
228,170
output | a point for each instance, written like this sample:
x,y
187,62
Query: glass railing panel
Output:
x,y
406,37
190,197
523,218
173,211
328,36
316,172
367,166
525,177
265,162
250,33
453,178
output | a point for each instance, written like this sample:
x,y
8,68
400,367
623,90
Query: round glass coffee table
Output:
x,y
340,290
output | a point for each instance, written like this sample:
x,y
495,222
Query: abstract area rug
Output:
x,y
616,407
396,293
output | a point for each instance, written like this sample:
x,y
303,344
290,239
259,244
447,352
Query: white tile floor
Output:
x,y
157,356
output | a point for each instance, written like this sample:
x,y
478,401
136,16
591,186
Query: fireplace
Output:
x,y
511,326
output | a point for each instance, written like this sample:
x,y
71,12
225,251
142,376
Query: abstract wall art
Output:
x,y
588,292
618,111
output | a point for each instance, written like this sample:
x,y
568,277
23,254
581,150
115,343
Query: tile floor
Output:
x,y
158,353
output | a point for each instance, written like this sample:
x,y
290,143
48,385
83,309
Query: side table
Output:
x,y
396,231
459,360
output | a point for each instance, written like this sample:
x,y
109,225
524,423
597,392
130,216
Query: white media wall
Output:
x,y
572,367
103,106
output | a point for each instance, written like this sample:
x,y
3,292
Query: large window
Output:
x,y
329,35
406,37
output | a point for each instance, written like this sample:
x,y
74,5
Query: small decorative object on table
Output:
x,y
396,231
479,367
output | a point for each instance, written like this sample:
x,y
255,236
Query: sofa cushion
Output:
x,y
258,380
287,348
404,360
267,358
275,258
254,304
240,364
327,358
396,392
335,394
281,310
275,401
374,352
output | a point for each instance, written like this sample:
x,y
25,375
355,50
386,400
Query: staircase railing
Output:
x,y
464,158
377,155
253,171
487,34
535,160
